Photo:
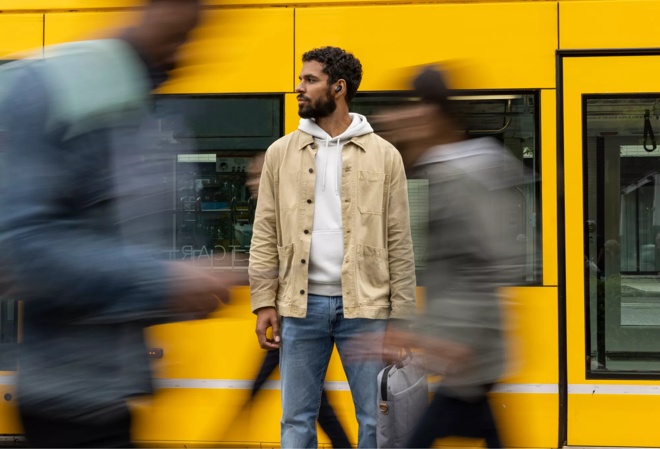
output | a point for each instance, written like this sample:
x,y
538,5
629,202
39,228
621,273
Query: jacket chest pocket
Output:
x,y
288,191
371,192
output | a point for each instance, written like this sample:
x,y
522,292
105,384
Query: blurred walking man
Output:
x,y
76,231
331,251
472,252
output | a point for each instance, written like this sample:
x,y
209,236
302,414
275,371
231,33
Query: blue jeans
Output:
x,y
306,348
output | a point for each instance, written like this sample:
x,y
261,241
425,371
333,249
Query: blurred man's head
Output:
x,y
253,173
413,129
328,75
163,28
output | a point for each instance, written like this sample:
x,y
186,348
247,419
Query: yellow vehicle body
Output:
x,y
251,47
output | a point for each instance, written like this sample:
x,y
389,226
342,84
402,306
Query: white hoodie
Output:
x,y
327,249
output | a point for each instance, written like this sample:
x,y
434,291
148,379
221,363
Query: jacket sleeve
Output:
x,y
400,246
63,267
264,260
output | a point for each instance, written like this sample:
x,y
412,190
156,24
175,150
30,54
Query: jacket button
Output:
x,y
311,170
313,146
306,231
302,292
303,261
309,201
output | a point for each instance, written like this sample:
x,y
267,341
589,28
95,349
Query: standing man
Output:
x,y
472,252
75,230
327,418
331,251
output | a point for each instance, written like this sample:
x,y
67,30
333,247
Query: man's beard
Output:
x,y
322,107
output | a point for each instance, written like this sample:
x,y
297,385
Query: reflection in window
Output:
x,y
213,138
511,119
622,233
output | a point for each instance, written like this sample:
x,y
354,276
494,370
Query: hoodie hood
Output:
x,y
359,126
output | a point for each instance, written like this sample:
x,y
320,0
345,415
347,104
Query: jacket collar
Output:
x,y
307,139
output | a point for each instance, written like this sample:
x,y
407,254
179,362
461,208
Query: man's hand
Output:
x,y
200,291
267,318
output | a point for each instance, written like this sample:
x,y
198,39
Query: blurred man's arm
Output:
x,y
61,265
400,246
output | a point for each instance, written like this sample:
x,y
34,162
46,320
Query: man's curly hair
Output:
x,y
338,64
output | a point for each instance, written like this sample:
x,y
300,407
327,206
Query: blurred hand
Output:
x,y
397,338
201,290
453,354
267,318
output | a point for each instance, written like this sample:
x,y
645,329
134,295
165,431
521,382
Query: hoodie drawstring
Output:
x,y
325,162
337,163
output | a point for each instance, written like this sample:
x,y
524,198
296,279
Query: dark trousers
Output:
x,y
46,432
327,418
448,416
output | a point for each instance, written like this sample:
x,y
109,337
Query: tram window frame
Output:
x,y
534,264
595,364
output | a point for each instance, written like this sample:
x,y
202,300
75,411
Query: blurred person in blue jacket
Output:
x,y
473,251
83,205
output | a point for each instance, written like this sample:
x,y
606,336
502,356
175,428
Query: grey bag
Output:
x,y
403,396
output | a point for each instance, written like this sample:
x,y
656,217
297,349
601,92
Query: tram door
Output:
x,y
611,151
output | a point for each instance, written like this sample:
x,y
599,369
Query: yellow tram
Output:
x,y
569,86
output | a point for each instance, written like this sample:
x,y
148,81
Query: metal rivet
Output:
x,y
8,396
302,292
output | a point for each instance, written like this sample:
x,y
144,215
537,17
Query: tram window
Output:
x,y
513,120
8,334
212,139
622,233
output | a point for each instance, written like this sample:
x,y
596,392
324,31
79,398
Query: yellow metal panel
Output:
x,y
609,24
51,5
526,420
9,422
214,415
483,44
531,314
67,27
20,33
613,420
223,346
549,184
232,51
236,50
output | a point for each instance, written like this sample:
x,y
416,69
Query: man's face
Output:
x,y
315,98
165,28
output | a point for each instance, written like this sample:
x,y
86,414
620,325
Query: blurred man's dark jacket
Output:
x,y
78,175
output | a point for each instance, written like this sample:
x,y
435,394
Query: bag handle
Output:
x,y
383,383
